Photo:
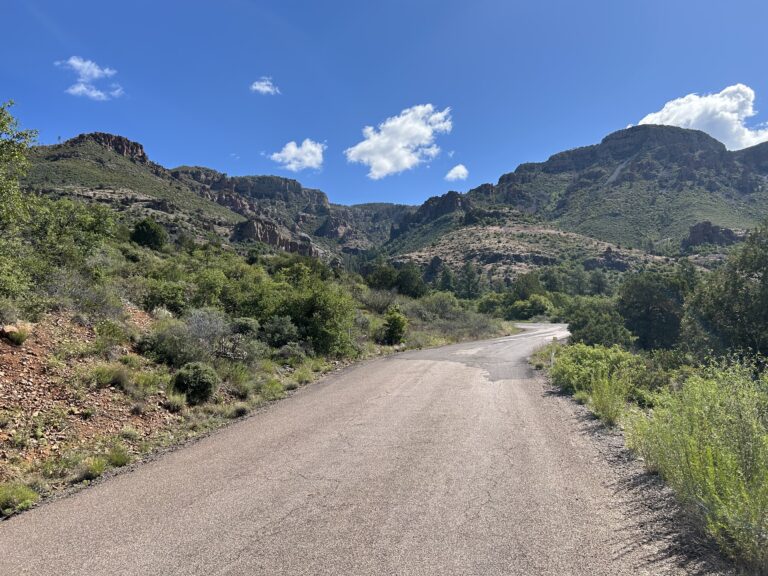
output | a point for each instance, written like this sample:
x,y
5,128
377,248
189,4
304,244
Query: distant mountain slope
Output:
x,y
645,183
278,211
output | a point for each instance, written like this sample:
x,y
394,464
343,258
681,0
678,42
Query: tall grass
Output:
x,y
709,441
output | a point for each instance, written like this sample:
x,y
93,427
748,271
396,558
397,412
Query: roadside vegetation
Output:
x,y
119,336
677,359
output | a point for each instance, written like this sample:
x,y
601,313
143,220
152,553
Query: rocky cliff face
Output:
x,y
271,233
118,144
289,192
643,184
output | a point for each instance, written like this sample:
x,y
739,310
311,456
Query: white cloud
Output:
x,y
264,85
458,172
294,157
401,142
87,72
720,115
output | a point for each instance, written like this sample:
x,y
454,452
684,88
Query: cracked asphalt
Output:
x,y
447,461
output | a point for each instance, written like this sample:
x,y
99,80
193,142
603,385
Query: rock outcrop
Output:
x,y
271,233
118,144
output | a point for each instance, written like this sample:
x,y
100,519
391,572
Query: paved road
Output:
x,y
446,461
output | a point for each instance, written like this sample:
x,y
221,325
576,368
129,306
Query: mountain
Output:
x,y
277,211
640,185
643,187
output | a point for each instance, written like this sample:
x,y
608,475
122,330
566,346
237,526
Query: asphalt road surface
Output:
x,y
439,462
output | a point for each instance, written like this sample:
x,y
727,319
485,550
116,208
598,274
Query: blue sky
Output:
x,y
482,84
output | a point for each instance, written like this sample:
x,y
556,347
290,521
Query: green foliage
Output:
x,y
395,326
608,396
709,441
577,365
13,165
278,331
596,321
197,381
150,234
729,310
652,306
90,468
409,281
109,374
524,286
118,456
468,283
535,305
168,294
16,497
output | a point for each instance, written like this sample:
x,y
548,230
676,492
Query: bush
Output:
x,y
118,456
596,322
576,366
197,380
395,325
90,468
105,375
608,397
709,441
278,331
15,498
149,233
535,305
170,342
175,402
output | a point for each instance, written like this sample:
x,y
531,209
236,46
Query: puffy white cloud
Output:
x,y
720,115
294,157
401,142
264,85
87,72
458,172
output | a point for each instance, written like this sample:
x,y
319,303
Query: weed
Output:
x,y
15,498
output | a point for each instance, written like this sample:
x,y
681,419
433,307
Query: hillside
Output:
x,y
640,185
644,187
277,211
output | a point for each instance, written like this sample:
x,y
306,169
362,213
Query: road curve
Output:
x,y
444,461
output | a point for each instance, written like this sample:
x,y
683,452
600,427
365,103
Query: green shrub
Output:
x,y
395,325
272,389
535,305
709,441
90,468
175,402
16,497
596,321
118,456
105,375
197,380
608,397
576,366
172,343
278,331
149,233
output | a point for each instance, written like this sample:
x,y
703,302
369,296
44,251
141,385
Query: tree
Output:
x,y
409,281
595,321
468,282
598,282
395,325
525,286
729,309
149,233
447,281
13,165
652,306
